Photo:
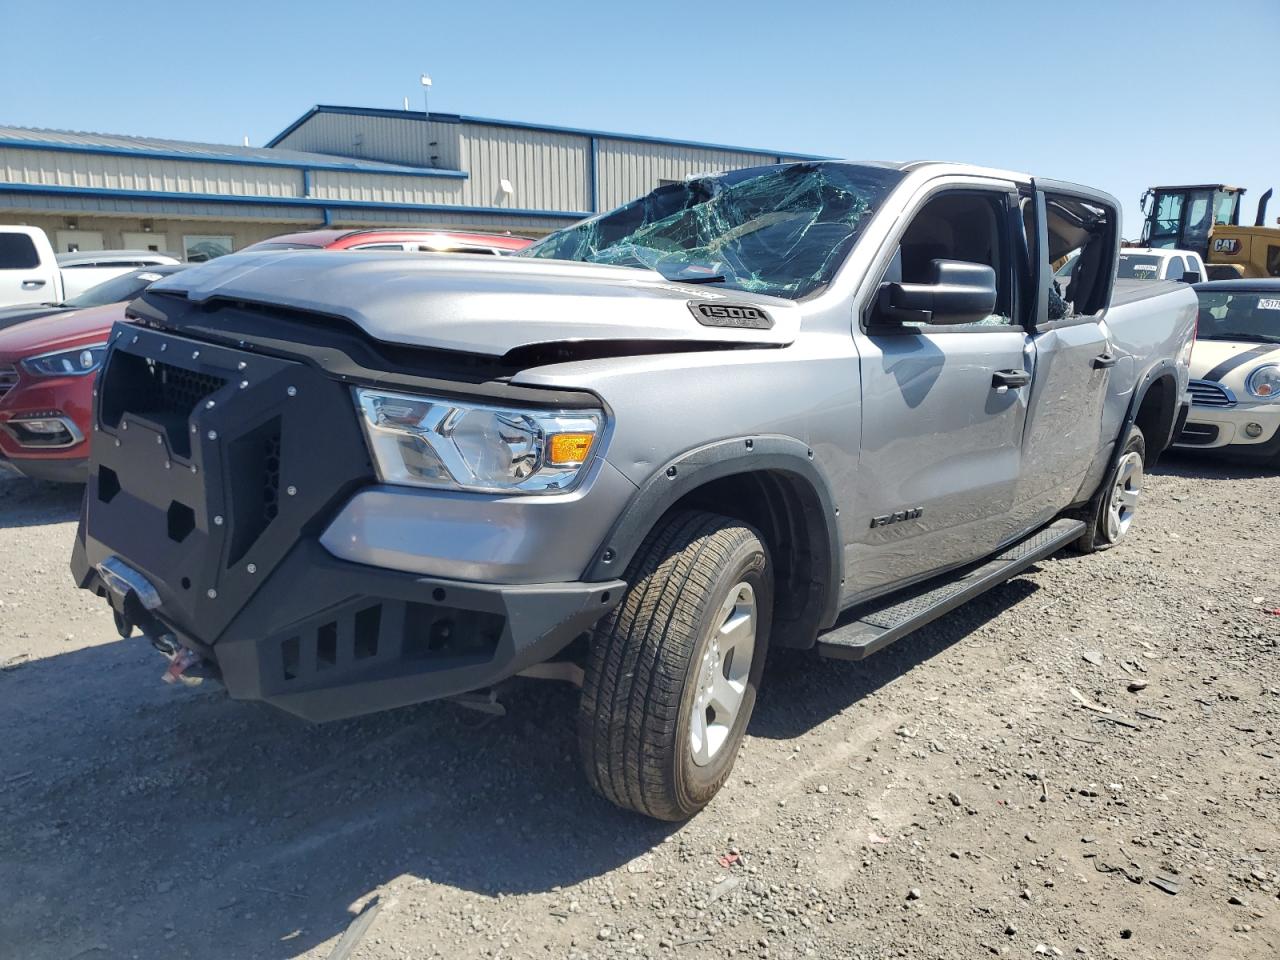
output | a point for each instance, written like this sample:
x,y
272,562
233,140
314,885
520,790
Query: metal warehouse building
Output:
x,y
335,166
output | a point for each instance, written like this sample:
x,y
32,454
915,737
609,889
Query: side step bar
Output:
x,y
877,624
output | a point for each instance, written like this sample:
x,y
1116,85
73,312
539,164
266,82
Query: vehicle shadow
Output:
x,y
33,503
1205,466
803,690
131,811
143,819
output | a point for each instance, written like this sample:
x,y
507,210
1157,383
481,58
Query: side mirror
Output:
x,y
1190,276
960,292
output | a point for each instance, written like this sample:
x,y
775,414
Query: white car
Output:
x,y
88,268
1235,371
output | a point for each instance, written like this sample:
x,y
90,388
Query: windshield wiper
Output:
x,y
717,278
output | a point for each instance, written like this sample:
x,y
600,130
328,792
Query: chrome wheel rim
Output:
x,y
1125,493
722,675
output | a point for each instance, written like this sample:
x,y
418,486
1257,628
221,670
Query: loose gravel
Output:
x,y
1084,762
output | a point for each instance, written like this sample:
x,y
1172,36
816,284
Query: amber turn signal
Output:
x,y
567,449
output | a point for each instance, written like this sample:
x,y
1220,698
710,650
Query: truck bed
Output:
x,y
1131,291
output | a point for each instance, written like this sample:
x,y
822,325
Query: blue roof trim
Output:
x,y
353,166
293,126
316,203
521,125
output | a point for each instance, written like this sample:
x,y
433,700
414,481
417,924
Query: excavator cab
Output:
x,y
1182,217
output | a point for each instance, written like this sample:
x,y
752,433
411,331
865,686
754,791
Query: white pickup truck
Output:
x,y
30,271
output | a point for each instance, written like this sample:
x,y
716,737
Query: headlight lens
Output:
x,y
67,363
1265,382
431,442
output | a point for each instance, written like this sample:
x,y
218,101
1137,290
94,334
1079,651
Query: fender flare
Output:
x,y
1159,370
699,466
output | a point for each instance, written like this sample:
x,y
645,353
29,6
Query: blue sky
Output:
x,y
1116,95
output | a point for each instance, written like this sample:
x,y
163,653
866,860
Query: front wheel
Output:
x,y
1112,512
672,672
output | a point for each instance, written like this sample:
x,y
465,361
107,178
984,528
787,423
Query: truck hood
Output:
x,y
484,304
1231,361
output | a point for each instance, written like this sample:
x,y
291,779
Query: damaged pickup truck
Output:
x,y
811,406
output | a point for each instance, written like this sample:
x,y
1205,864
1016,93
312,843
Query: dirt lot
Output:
x,y
950,798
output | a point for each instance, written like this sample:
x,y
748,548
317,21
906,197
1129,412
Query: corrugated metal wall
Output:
x,y
147,209
384,188
390,139
548,170
54,168
629,168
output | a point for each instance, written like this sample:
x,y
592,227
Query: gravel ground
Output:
x,y
949,798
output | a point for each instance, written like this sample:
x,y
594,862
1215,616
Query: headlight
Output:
x,y
67,363
430,442
1265,382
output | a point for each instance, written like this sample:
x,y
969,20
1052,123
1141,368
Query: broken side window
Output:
x,y
1082,233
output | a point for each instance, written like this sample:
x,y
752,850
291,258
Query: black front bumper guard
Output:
x,y
325,639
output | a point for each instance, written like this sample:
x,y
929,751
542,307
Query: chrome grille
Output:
x,y
1210,393
8,378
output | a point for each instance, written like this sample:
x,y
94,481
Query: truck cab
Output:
x,y
28,267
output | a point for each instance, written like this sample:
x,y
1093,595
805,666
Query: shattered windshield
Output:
x,y
781,231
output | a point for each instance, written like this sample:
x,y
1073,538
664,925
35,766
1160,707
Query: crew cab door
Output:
x,y
28,271
1074,355
943,407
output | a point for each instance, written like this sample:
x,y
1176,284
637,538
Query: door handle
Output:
x,y
32,284
1004,379
1104,360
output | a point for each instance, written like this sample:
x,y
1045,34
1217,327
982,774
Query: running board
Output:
x,y
880,622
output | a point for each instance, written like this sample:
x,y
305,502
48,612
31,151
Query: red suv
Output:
x,y
48,367
415,241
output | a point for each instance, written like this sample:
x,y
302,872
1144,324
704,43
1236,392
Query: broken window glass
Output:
x,y
780,230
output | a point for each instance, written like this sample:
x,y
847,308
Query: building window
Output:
x,y
200,247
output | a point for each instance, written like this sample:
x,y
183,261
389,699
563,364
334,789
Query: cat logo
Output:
x,y
912,514
731,315
1226,245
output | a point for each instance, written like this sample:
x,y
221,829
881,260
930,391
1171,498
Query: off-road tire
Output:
x,y
1096,536
643,665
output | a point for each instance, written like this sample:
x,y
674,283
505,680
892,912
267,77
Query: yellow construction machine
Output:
x,y
1206,218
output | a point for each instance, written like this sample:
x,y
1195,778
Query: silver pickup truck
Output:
x,y
811,405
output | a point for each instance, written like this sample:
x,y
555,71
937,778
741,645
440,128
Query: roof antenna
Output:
x,y
406,104
246,139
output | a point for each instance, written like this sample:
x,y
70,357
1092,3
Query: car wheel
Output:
x,y
1112,513
672,671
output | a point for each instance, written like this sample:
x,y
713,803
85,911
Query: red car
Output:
x,y
416,241
47,372
48,366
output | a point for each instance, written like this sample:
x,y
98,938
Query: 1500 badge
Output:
x,y
888,518
731,315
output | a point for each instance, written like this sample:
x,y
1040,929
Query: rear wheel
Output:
x,y
1113,511
672,672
